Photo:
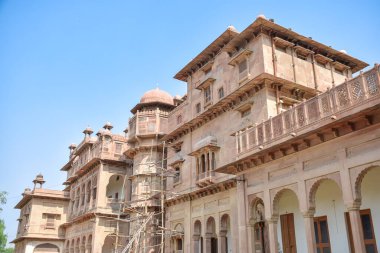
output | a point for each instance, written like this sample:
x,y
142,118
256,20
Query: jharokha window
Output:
x,y
205,153
50,220
179,119
206,162
221,92
198,107
177,175
207,94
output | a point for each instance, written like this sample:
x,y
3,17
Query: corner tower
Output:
x,y
146,128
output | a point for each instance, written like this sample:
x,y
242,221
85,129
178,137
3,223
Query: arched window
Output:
x,y
213,162
88,192
89,244
203,165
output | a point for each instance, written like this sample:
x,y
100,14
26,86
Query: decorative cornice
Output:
x,y
202,192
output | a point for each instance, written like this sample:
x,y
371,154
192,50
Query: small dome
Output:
x,y
261,16
232,28
156,95
88,130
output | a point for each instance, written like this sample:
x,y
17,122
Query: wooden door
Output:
x,y
322,237
214,245
368,232
288,233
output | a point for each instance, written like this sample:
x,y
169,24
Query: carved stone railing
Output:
x,y
148,122
99,150
342,98
205,178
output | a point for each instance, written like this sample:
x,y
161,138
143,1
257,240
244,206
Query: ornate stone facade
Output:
x,y
274,148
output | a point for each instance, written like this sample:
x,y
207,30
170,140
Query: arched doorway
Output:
x,y
291,228
115,192
368,193
197,237
46,248
89,244
259,227
329,222
225,234
211,239
177,238
109,244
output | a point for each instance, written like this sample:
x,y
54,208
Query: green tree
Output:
x,y
3,236
3,199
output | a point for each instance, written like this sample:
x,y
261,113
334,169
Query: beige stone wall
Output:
x,y
188,213
339,161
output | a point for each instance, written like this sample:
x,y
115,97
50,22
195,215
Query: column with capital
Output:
x,y
196,243
356,228
222,241
208,237
241,208
272,234
308,218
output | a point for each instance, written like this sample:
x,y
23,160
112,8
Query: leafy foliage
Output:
x,y
3,236
7,250
3,199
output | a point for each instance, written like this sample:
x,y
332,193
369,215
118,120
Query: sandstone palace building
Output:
x,y
275,147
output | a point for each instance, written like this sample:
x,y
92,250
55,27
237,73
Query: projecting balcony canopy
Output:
x,y
207,143
282,43
177,159
303,51
322,59
207,82
340,66
207,66
239,56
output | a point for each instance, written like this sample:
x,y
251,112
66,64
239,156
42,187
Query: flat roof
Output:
x,y
235,39
42,193
208,52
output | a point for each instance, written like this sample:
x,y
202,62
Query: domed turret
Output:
x,y
155,96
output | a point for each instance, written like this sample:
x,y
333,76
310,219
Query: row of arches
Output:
x,y
327,219
79,245
83,196
211,240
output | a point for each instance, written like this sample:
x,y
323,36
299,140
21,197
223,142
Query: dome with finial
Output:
x,y
156,95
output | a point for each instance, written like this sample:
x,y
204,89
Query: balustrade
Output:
x,y
341,98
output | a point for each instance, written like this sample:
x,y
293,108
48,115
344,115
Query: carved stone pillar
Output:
x,y
208,245
222,242
357,229
243,239
308,218
196,244
272,235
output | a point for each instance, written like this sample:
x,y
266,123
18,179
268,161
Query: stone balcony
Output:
x,y
348,107
148,123
206,178
99,151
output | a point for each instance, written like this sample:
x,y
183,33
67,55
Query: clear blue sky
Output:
x,y
66,65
